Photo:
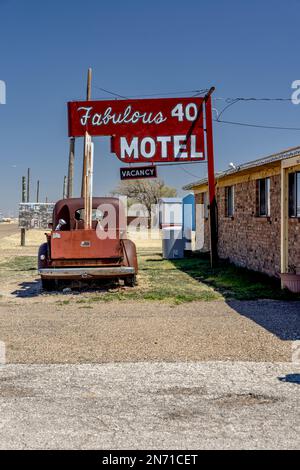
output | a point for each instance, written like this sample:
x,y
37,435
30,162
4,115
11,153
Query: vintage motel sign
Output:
x,y
153,130
148,130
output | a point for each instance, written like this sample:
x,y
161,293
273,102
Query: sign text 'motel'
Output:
x,y
150,130
138,172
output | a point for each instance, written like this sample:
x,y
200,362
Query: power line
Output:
x,y
196,93
251,99
226,107
178,163
262,126
234,101
231,101
189,173
110,92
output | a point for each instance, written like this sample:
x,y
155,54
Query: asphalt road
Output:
x,y
8,229
207,405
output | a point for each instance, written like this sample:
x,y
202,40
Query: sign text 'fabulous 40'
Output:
x,y
156,130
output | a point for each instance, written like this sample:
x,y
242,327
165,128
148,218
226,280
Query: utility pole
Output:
x,y
65,188
88,196
23,230
37,190
28,185
23,188
71,167
84,167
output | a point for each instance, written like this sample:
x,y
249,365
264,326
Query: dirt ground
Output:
x,y
77,328
7,229
80,372
148,331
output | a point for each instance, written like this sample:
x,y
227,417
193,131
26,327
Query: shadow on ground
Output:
x,y
34,288
28,289
290,378
278,317
267,305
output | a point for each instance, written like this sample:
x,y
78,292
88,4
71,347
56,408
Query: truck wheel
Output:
x,y
130,281
48,284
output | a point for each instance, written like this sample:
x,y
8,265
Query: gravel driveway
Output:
x,y
147,331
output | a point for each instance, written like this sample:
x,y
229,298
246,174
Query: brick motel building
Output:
x,y
258,213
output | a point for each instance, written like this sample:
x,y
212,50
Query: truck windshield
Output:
x,y
96,214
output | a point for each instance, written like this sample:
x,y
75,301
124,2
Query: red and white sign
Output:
x,y
153,130
159,149
150,130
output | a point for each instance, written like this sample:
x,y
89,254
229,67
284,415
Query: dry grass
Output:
x,y
10,246
35,237
158,279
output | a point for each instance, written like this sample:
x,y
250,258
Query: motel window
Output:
x,y
294,194
264,197
229,201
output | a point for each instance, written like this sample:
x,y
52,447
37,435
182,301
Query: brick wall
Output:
x,y
250,241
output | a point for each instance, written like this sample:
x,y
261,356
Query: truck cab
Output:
x,y
76,253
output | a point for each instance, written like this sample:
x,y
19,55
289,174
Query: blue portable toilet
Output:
x,y
189,219
188,207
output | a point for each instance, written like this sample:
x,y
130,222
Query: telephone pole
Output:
x,y
37,190
23,188
23,230
71,167
28,185
65,188
84,166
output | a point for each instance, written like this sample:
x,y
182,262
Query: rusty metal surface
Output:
x,y
83,244
73,253
61,263
71,205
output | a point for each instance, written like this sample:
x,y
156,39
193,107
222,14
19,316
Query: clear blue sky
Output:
x,y
243,48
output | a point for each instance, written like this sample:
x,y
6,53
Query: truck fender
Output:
x,y
43,250
130,256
